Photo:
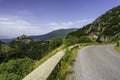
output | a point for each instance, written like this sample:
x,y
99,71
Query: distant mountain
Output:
x,y
60,32
1,42
3,37
6,40
104,28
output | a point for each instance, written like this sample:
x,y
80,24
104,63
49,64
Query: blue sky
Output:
x,y
36,17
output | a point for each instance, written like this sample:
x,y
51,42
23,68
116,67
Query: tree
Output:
x,y
71,40
55,42
16,69
85,39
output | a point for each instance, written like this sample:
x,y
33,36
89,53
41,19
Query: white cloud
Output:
x,y
3,19
13,27
52,24
69,24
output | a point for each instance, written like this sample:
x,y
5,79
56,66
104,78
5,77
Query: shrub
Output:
x,y
55,42
70,41
85,39
118,43
16,69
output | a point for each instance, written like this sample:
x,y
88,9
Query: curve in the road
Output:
x,y
98,62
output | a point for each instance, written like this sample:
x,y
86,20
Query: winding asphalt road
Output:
x,y
97,62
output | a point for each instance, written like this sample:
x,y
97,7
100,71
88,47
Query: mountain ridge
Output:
x,y
47,36
55,33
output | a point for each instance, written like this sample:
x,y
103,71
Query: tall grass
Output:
x,y
117,46
65,66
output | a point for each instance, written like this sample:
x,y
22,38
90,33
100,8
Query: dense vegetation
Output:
x,y
18,57
34,50
117,47
16,69
104,28
72,40
55,42
118,43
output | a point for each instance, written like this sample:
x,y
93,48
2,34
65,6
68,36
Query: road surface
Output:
x,y
98,62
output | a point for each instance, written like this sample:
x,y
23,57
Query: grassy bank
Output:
x,y
117,48
65,66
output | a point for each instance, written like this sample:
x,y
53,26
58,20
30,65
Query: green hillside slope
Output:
x,y
104,28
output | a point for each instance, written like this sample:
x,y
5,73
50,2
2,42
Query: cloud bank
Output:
x,y
14,26
70,24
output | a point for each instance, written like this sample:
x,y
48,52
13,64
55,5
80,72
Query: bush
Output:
x,y
118,43
85,39
34,50
70,41
16,69
55,42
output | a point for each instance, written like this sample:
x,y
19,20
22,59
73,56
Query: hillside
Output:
x,y
50,35
104,28
18,57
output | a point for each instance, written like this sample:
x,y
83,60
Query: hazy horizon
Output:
x,y
36,17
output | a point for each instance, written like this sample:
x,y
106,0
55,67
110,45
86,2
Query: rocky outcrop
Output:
x,y
24,38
